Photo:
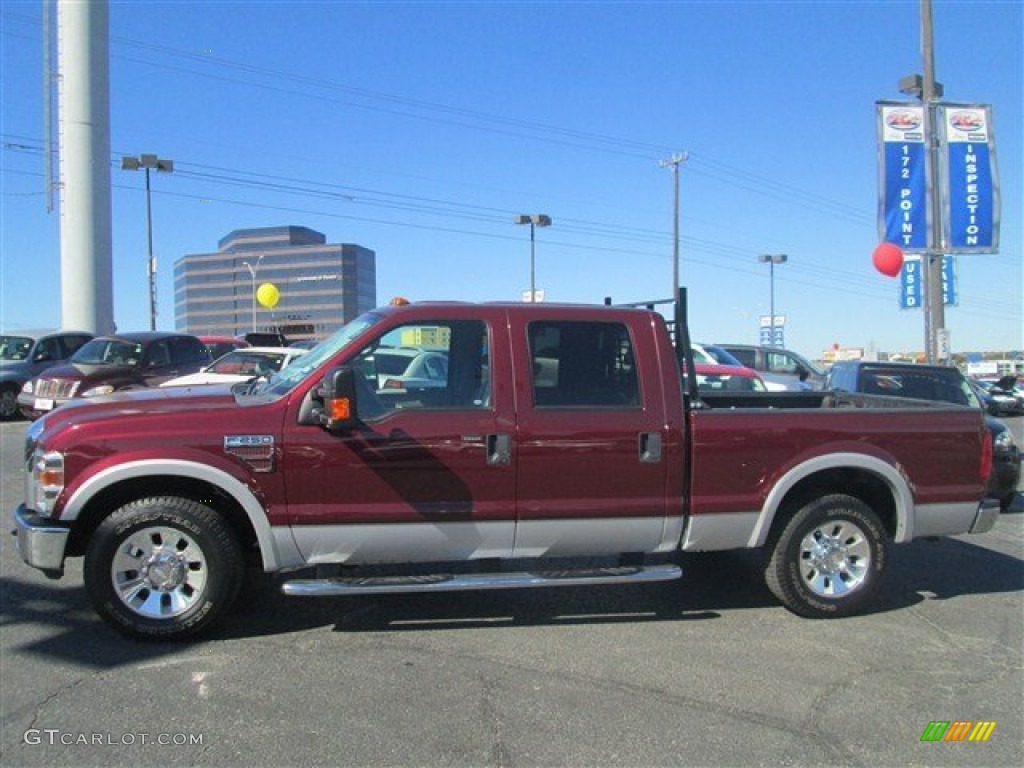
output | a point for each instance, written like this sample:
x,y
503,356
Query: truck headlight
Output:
x,y
26,388
46,481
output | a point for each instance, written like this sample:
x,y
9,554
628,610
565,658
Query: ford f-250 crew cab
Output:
x,y
544,436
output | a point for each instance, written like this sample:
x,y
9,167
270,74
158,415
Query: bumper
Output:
x,y
985,519
1005,474
32,407
41,543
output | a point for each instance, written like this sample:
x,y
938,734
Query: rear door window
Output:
x,y
583,364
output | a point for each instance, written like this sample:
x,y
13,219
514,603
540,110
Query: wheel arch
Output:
x,y
873,480
116,486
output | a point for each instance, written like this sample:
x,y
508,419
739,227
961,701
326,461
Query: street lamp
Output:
x,y
534,220
252,274
148,162
772,259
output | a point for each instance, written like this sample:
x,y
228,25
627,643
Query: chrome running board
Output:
x,y
447,582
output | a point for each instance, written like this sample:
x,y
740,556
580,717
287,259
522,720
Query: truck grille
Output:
x,y
56,389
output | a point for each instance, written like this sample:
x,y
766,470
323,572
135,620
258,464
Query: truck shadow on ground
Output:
x,y
712,585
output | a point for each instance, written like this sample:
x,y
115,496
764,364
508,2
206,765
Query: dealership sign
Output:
x,y
966,180
912,282
903,208
970,195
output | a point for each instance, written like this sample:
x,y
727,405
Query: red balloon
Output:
x,y
888,259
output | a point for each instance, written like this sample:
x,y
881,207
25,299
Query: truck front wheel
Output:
x,y
163,567
828,559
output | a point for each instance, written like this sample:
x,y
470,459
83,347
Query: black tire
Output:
x,y
828,559
9,410
163,568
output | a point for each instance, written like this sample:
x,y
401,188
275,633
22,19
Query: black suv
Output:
x,y
26,354
107,364
940,384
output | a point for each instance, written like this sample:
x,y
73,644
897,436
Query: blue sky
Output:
x,y
420,129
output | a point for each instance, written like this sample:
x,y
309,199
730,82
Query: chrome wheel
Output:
x,y
163,567
159,572
835,558
827,558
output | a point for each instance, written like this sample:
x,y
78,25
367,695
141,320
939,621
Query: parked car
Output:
x,y
987,401
108,364
1006,399
780,368
940,384
267,339
240,365
218,346
26,354
404,367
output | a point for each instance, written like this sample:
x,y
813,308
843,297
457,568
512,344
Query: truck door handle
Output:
x,y
650,447
499,449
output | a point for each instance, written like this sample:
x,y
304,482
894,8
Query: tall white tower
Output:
x,y
86,259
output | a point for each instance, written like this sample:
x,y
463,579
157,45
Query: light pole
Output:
x,y
252,274
148,162
673,163
534,220
772,259
929,91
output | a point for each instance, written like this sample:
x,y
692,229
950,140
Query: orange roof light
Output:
x,y
398,301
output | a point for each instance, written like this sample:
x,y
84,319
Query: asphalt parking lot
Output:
x,y
707,671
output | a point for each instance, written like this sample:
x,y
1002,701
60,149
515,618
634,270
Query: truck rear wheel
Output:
x,y
828,559
163,567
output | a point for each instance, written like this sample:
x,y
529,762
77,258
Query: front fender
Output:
x,y
278,551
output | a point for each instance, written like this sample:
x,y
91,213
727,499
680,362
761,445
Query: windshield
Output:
x,y
109,352
721,356
14,347
285,380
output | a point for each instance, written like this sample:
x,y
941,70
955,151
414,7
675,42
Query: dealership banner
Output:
x,y
903,215
970,190
912,283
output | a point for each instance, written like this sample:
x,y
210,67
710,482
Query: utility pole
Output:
x,y
934,308
674,162
929,91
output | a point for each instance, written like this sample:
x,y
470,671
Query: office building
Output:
x,y
320,285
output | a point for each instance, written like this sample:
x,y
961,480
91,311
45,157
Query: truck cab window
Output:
x,y
583,364
439,365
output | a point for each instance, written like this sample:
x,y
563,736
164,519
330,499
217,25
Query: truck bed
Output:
x,y
809,399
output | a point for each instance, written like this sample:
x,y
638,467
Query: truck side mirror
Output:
x,y
337,391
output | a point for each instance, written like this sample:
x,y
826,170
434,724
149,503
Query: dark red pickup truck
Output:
x,y
524,439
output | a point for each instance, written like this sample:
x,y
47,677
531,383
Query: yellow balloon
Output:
x,y
268,295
